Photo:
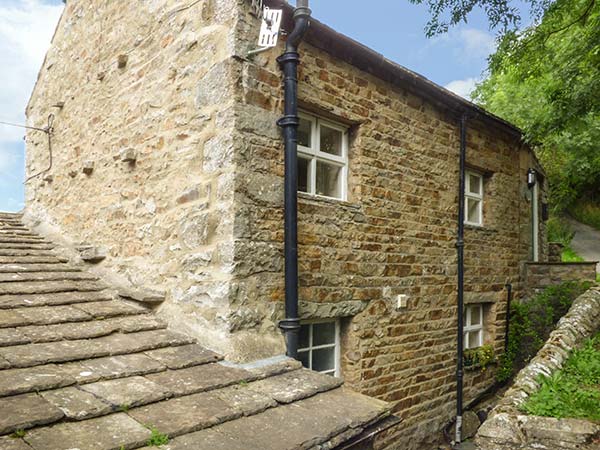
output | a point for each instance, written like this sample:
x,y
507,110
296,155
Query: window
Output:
x,y
322,157
474,198
319,347
473,326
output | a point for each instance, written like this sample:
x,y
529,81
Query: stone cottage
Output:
x,y
167,163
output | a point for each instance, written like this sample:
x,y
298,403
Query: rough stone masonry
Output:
x,y
167,157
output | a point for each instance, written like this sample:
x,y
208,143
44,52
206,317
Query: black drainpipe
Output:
x,y
460,247
508,301
288,62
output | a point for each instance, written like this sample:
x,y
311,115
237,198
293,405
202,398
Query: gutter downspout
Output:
x,y
288,62
508,301
460,247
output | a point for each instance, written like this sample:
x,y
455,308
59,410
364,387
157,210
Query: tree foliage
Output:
x,y
546,80
504,15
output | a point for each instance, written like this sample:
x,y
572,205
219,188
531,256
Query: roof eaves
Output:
x,y
368,60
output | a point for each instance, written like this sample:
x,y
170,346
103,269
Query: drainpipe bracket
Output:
x,y
289,121
287,57
302,11
290,324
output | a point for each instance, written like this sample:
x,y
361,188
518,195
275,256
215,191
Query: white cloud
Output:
x,y
476,43
464,88
26,28
465,43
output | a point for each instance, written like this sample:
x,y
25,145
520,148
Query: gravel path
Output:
x,y
586,242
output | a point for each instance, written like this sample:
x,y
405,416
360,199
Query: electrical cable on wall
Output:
x,y
49,129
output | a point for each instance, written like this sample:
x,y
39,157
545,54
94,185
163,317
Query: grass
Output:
x,y
18,434
569,255
559,230
157,438
573,391
586,211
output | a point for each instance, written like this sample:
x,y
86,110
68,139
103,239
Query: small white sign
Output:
x,y
269,29
257,7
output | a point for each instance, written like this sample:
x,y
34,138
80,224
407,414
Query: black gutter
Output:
x,y
362,57
365,438
460,247
288,62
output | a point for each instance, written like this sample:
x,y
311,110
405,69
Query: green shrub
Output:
x,y
569,255
479,357
559,230
573,391
587,211
532,321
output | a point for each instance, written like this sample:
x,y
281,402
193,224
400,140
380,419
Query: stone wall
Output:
x,y
509,429
395,234
540,275
156,80
200,212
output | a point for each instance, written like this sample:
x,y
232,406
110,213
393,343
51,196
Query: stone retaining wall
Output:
x,y
508,428
543,274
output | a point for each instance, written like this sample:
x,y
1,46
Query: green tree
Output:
x,y
504,15
546,80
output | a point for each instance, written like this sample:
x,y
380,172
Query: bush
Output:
x,y
531,323
587,211
559,230
569,255
479,357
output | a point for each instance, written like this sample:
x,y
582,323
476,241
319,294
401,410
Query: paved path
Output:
x,y
586,242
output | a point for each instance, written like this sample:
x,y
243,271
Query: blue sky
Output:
x,y
394,28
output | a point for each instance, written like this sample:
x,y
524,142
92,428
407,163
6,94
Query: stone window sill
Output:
x,y
317,199
480,228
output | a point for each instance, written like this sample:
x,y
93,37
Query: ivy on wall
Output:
x,y
531,323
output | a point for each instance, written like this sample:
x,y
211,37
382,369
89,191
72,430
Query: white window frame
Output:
x,y
336,370
314,154
474,197
469,328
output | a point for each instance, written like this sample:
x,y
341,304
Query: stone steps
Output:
x,y
30,355
47,287
25,252
80,368
53,376
77,330
150,402
79,312
20,232
23,238
11,277
22,268
24,246
52,299
54,259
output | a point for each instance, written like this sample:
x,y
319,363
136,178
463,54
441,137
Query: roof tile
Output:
x,y
73,353
25,411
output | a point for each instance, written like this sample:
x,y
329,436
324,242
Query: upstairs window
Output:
x,y
473,326
319,346
473,198
322,157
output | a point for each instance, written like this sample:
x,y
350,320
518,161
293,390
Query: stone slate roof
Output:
x,y
82,369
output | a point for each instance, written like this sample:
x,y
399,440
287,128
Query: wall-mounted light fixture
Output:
x,y
531,178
